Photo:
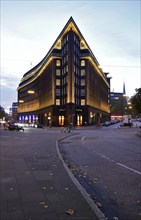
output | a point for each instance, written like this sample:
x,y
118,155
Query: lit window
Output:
x,y
61,120
58,63
58,72
82,62
57,82
82,101
57,101
116,97
83,72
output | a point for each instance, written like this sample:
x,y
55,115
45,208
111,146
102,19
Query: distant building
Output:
x,y
67,86
14,110
118,103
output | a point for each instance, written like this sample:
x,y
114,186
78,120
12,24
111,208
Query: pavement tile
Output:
x,y
35,185
14,215
14,205
43,175
32,196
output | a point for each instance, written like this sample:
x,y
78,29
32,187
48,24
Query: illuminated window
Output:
x,y
82,82
58,63
82,62
83,72
57,101
79,119
57,82
61,120
58,72
82,101
116,97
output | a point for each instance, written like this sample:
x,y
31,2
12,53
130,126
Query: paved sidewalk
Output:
x,y
34,182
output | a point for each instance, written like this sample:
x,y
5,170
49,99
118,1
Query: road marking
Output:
x,y
107,158
135,171
83,138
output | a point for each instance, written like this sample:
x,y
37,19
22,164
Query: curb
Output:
x,y
100,215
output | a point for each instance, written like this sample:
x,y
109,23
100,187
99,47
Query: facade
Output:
x,y
67,86
118,103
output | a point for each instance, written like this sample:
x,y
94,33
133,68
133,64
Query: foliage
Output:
x,y
2,112
136,101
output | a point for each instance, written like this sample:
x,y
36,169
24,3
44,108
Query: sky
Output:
x,y
29,29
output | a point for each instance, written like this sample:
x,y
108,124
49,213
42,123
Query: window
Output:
x,y
82,82
58,63
61,120
82,101
82,92
58,92
58,72
83,72
57,101
82,62
57,82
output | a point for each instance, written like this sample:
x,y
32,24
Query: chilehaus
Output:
x,y
67,86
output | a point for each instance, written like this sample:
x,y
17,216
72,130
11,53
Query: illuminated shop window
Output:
x,y
61,120
57,82
82,62
58,72
57,101
58,63
82,101
79,119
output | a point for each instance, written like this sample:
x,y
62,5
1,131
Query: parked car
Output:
x,y
13,127
106,123
38,125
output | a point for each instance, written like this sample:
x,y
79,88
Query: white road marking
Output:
x,y
107,158
135,171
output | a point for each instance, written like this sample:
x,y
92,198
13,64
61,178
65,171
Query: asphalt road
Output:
x,y
107,162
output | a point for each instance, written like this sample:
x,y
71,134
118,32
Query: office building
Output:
x,y
67,86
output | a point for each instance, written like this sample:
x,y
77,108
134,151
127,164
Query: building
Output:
x,y
67,86
14,110
118,103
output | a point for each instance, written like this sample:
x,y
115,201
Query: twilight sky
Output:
x,y
111,29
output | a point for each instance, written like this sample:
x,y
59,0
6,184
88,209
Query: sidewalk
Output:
x,y
38,186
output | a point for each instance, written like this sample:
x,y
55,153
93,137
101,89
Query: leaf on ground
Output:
x,y
66,188
115,218
95,179
11,189
70,211
44,187
98,204
45,206
41,203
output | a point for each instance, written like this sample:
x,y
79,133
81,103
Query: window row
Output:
x,y
81,102
65,59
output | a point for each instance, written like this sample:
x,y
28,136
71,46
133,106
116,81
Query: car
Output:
x,y
13,127
106,123
38,125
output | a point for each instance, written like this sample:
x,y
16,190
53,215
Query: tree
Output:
x,y
136,101
2,112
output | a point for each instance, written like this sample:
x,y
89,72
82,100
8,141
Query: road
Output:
x,y
107,162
